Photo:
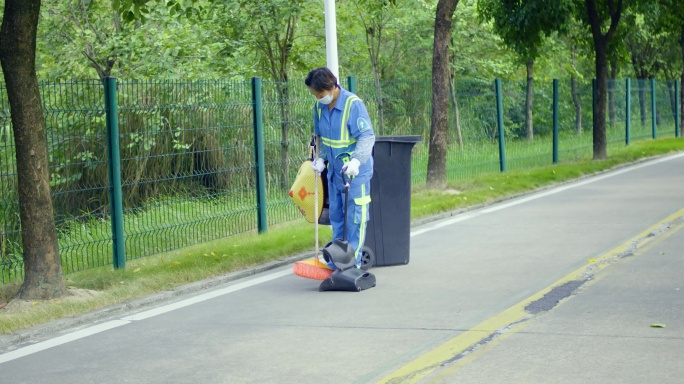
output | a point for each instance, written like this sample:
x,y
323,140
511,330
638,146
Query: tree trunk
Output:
x,y
378,92
575,96
601,50
42,264
452,91
436,172
578,105
284,102
374,40
673,97
611,92
529,99
641,73
600,150
681,86
278,54
642,101
457,113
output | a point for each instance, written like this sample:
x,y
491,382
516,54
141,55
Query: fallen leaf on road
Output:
x,y
657,325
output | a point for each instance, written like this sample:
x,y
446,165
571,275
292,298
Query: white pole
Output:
x,y
331,38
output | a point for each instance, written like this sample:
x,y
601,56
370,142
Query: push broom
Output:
x,y
314,268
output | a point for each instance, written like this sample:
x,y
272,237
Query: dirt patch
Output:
x,y
75,295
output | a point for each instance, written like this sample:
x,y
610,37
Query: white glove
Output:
x,y
351,168
318,165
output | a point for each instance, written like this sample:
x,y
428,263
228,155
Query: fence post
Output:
x,y
259,155
114,170
500,124
677,112
654,131
555,121
351,84
628,110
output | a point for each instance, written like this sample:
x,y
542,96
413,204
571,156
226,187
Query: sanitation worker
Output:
x,y
346,140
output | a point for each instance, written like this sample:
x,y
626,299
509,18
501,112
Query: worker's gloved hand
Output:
x,y
318,165
351,168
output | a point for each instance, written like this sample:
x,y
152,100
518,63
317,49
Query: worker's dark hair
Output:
x,y
321,79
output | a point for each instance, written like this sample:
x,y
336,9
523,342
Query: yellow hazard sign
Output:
x,y
302,192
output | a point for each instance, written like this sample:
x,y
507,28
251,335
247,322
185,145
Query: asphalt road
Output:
x,y
581,283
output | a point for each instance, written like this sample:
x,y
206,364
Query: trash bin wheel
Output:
x,y
367,258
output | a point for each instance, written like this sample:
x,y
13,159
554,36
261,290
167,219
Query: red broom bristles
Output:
x,y
312,269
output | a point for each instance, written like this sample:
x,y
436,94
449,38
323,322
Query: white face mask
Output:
x,y
327,99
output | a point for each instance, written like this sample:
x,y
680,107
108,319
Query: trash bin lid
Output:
x,y
399,139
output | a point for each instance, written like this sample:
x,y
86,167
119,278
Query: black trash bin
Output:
x,y
388,233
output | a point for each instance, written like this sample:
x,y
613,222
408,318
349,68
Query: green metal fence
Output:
x,y
139,168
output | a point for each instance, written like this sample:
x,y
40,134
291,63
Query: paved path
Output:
x,y
561,286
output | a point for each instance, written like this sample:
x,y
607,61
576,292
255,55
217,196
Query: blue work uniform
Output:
x,y
340,128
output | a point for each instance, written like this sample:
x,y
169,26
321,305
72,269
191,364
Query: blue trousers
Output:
x,y
358,212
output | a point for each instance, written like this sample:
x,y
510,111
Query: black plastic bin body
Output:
x,y
388,233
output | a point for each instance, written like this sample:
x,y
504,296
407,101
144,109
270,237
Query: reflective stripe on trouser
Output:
x,y
358,214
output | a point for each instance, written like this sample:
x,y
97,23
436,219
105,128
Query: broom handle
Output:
x,y
346,182
316,176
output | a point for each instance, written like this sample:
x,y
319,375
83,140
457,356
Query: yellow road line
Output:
x,y
513,319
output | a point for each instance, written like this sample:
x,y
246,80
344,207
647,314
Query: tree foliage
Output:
x,y
523,25
669,19
477,50
193,39
81,35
